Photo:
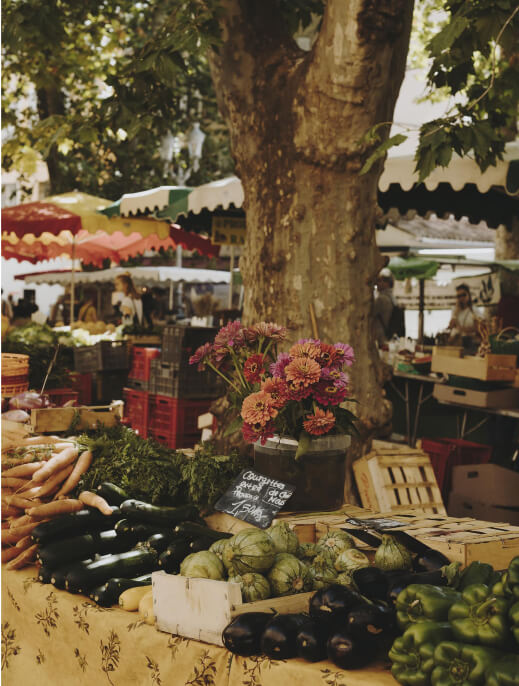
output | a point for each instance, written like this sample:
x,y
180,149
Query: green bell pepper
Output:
x,y
480,617
412,653
513,616
419,602
504,672
477,573
511,582
458,664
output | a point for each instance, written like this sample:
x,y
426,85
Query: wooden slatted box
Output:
x,y
395,477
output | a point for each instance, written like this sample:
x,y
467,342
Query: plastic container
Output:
x,y
183,381
60,396
103,356
318,475
180,342
141,358
176,415
446,453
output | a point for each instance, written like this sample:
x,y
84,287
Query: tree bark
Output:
x,y
51,102
507,248
295,120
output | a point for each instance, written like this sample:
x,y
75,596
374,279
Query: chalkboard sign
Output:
x,y
255,498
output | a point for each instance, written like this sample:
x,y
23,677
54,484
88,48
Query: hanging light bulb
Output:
x,y
195,141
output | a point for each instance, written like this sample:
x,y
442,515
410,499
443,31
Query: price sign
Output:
x,y
255,498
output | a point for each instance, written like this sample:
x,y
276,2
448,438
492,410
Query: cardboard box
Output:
x,y
488,368
501,398
464,506
487,483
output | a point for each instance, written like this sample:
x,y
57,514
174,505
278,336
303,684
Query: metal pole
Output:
x,y
72,274
231,267
421,307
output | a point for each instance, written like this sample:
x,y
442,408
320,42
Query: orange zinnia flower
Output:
x,y
320,422
258,408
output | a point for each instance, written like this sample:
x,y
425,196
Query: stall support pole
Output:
x,y
421,307
72,274
231,268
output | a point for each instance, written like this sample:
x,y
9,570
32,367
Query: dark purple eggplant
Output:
x,y
372,582
347,652
430,561
371,622
331,605
243,635
279,638
311,641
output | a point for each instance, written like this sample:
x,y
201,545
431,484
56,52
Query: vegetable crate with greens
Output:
x,y
464,636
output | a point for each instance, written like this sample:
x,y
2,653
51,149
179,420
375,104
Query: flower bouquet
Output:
x,y
297,394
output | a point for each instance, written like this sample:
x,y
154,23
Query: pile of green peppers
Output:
x,y
467,636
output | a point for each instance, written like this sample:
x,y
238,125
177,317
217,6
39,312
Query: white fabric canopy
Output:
x,y
141,276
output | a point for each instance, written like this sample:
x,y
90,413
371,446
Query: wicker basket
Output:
x,y
15,374
505,342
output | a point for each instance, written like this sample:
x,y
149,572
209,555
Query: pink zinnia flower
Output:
x,y
319,423
277,368
265,330
258,408
344,354
332,387
200,355
278,391
326,355
307,349
254,432
230,335
302,371
253,368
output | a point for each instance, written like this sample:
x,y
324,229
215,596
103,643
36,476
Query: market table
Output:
x,y
56,638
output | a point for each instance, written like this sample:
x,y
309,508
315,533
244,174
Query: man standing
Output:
x,y
385,307
464,318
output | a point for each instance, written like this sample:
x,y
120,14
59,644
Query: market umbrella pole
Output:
x,y
72,281
421,307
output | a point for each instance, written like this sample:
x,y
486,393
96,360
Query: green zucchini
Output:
x,y
123,526
59,577
199,544
73,524
82,578
195,530
168,563
98,594
45,574
159,542
79,548
111,493
140,511
117,585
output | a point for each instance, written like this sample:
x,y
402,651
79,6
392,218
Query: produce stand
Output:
x,y
52,637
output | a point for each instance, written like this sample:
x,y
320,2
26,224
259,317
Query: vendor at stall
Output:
x,y
127,300
463,326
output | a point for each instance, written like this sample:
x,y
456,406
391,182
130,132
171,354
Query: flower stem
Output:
x,y
225,378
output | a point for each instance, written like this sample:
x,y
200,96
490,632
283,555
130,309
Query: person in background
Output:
x,y
87,310
128,301
463,326
384,305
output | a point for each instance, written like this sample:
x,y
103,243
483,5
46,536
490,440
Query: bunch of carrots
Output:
x,y
36,486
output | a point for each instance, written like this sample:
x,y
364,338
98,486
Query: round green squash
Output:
x,y
322,570
392,555
307,552
335,542
289,575
253,586
285,540
350,559
202,565
345,579
251,550
218,546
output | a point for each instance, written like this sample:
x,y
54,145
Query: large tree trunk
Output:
x,y
295,120
507,248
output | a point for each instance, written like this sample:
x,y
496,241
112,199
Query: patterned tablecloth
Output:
x,y
56,638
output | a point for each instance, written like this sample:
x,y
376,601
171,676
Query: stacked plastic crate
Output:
x,y
179,393
136,395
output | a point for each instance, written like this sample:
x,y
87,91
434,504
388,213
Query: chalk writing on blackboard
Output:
x,y
255,498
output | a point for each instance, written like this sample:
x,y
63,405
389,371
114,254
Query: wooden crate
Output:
x,y
395,477
55,419
489,368
202,608
500,398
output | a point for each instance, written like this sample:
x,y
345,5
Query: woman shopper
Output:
x,y
128,301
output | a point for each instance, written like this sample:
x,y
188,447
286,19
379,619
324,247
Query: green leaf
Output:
x,y
382,150
448,35
234,426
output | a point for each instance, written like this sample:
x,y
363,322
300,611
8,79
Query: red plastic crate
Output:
x,y
140,362
60,396
82,383
446,453
176,415
136,410
173,440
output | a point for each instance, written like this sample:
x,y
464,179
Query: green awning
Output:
x,y
164,202
406,267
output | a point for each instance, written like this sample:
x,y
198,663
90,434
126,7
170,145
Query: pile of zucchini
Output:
x,y
104,555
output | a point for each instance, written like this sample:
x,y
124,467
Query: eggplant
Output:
x,y
401,581
242,636
430,561
331,605
278,640
372,582
371,622
311,641
347,652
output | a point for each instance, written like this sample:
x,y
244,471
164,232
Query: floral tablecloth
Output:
x,y
55,638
